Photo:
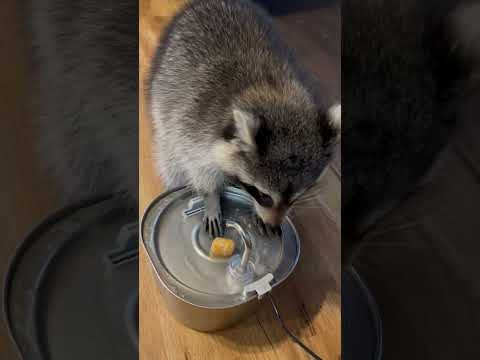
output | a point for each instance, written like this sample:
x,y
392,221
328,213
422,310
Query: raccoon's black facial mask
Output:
x,y
260,197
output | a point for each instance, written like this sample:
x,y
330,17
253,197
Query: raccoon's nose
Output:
x,y
273,217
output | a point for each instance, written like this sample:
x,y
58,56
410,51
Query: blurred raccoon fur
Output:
x,y
85,94
406,68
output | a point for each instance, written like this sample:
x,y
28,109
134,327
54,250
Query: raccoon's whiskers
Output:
x,y
307,207
313,193
321,206
306,199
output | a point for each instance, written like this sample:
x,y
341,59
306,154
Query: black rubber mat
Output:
x,y
361,323
72,288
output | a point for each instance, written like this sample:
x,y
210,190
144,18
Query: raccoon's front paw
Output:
x,y
213,220
266,229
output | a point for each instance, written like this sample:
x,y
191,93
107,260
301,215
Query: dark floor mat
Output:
x,y
72,288
361,324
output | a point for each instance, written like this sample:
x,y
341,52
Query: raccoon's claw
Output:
x,y
260,225
274,231
278,230
212,220
213,226
265,229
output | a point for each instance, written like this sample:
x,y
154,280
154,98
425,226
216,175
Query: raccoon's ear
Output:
x,y
246,125
331,124
334,116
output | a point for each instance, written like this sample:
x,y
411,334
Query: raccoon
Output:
x,y
230,104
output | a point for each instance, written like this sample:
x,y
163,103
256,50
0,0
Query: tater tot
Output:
x,y
222,247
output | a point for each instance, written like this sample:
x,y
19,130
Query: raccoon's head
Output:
x,y
277,151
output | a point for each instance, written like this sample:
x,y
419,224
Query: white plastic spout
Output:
x,y
261,286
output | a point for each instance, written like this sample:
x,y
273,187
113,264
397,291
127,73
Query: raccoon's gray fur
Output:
x,y
229,103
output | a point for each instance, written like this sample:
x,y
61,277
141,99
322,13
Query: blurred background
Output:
x,y
28,194
38,220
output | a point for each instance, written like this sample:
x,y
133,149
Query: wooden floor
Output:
x,y
310,302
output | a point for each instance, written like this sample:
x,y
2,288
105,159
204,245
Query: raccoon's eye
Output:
x,y
263,199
